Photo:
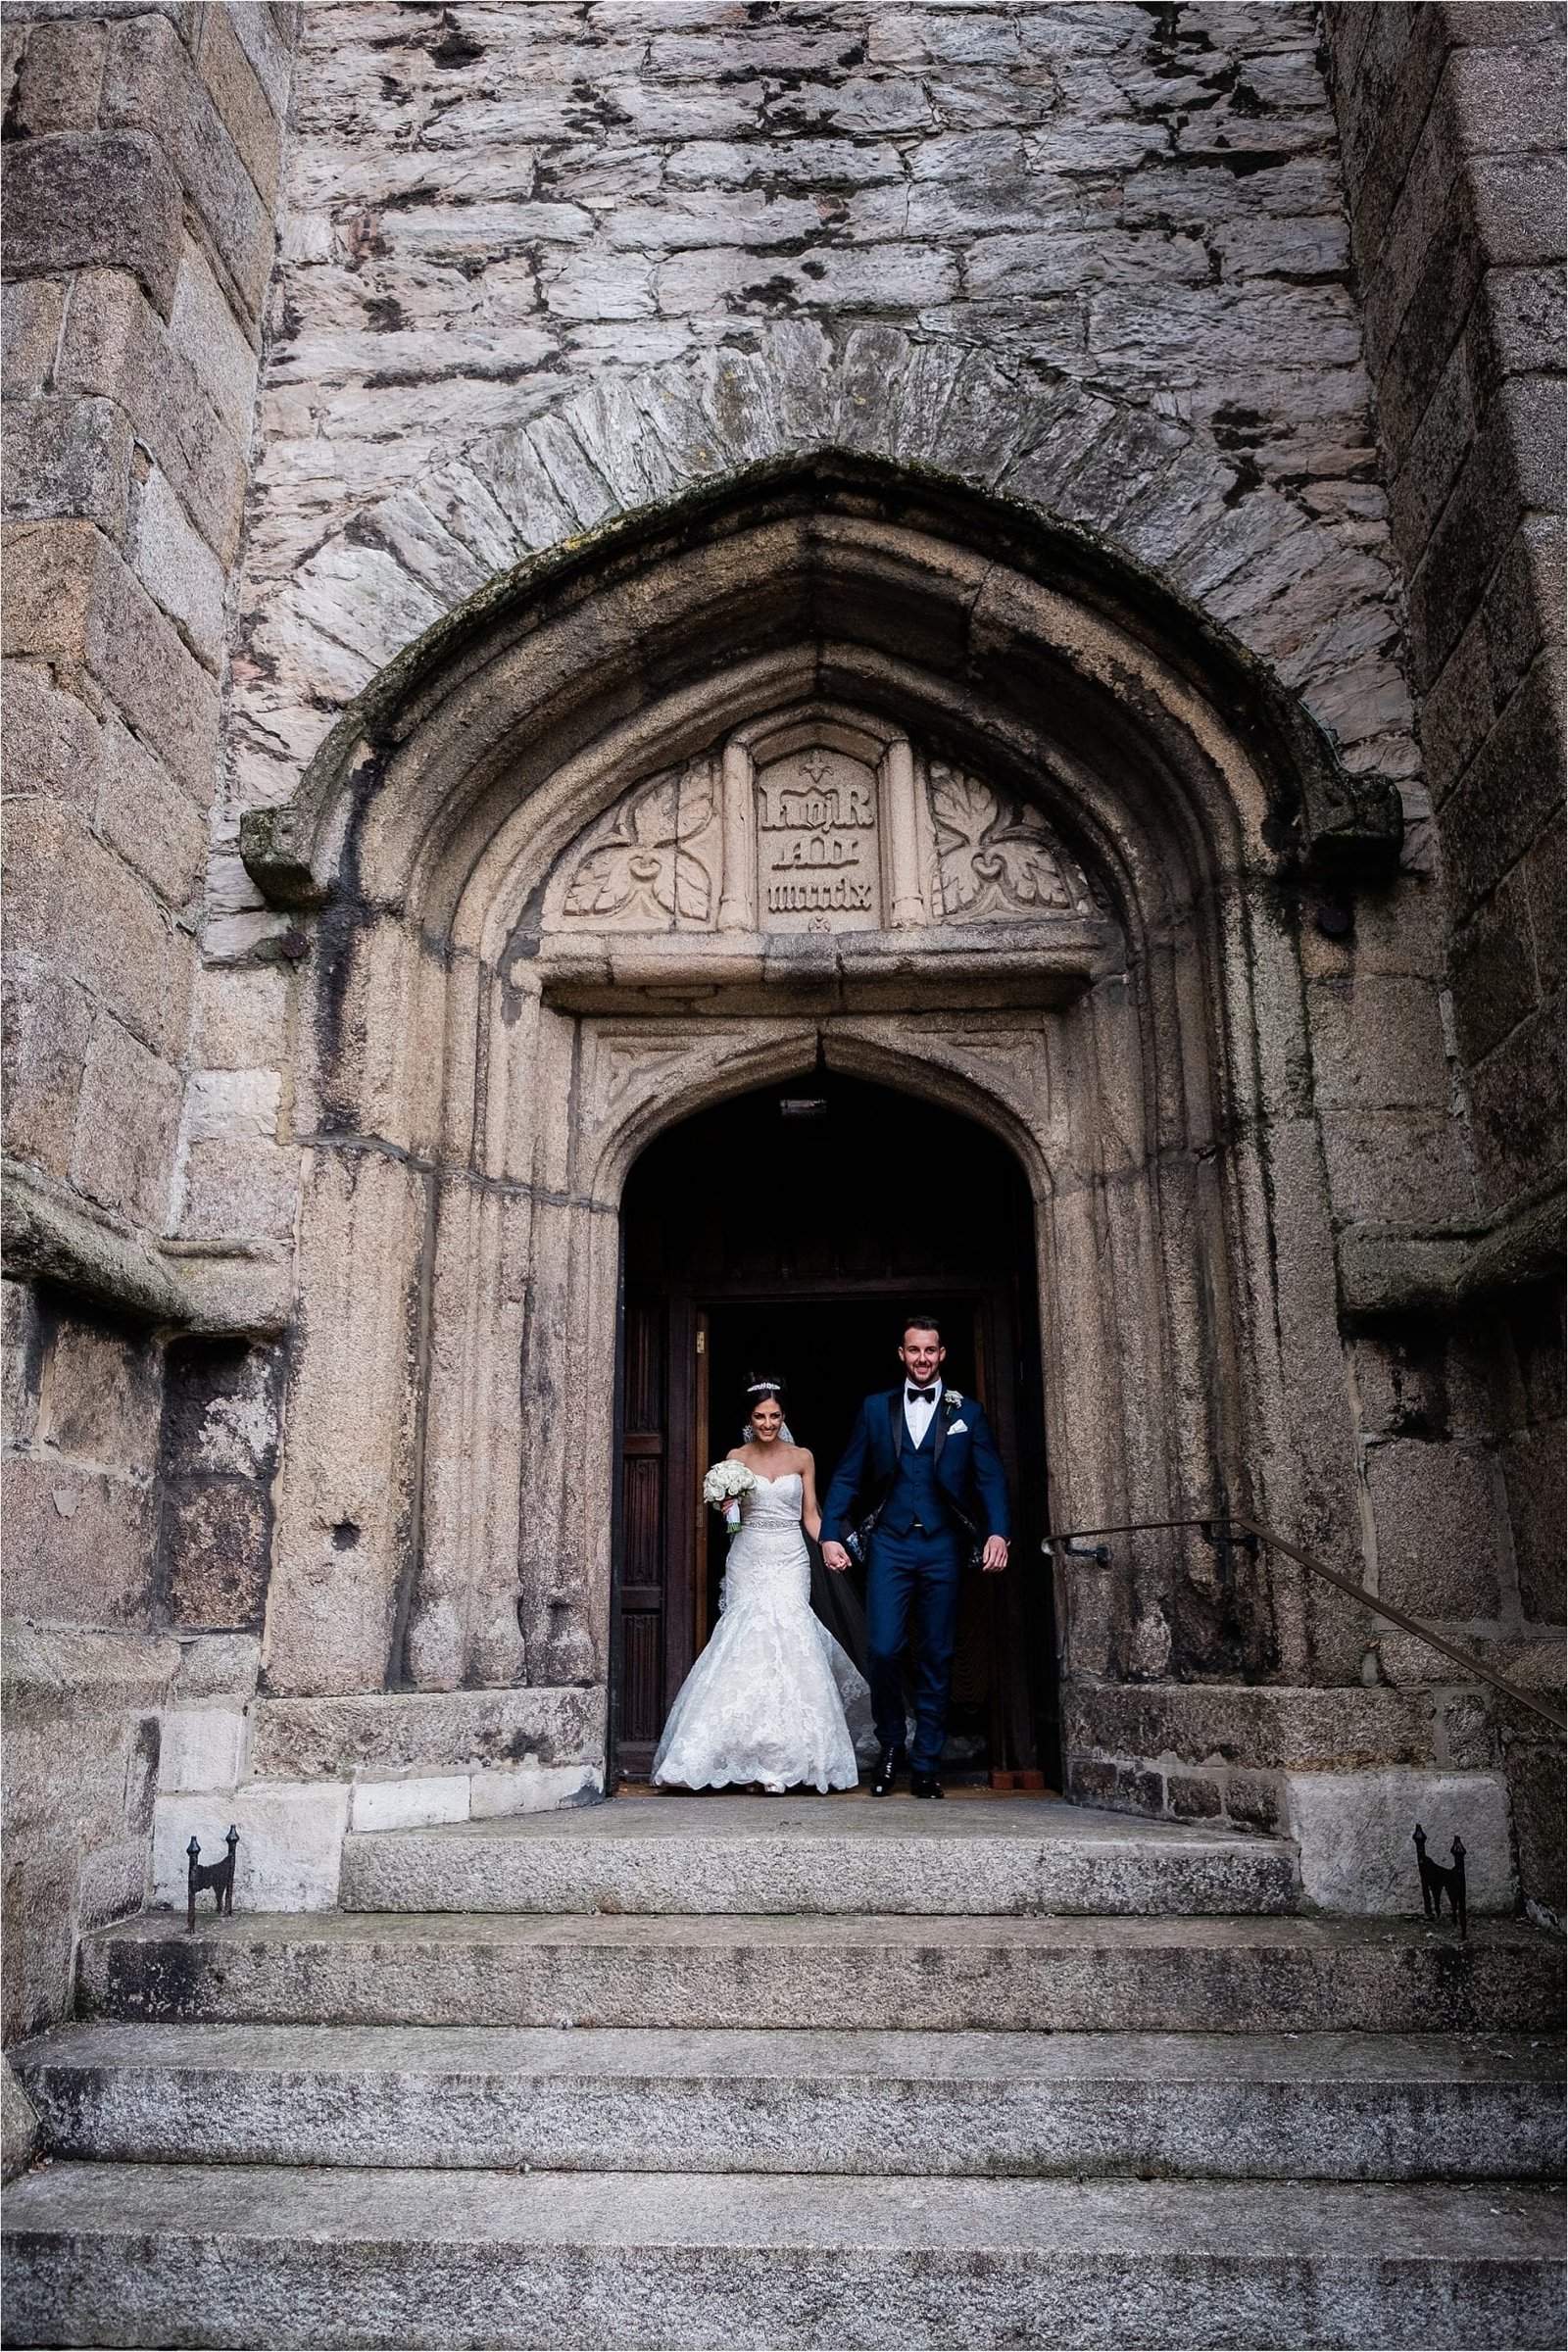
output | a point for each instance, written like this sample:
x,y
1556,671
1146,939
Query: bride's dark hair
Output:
x,y
760,1384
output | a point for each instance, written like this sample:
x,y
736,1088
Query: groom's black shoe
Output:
x,y
925,1784
889,1765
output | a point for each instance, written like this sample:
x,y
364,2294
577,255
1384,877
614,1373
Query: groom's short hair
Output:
x,y
920,1323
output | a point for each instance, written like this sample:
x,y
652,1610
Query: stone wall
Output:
x,y
143,146
524,257
1451,121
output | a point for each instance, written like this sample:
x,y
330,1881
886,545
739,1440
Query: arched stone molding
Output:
x,y
1314,601
870,578
477,1083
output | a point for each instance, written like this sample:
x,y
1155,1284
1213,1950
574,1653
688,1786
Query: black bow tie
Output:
x,y
925,1395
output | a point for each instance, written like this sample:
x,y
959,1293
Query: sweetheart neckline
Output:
x,y
779,1481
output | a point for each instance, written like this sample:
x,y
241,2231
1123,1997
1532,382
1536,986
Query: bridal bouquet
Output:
x,y
724,1486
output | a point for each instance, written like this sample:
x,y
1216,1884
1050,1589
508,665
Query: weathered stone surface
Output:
x,y
51,740
496,2259
1196,2106
533,1788
215,1543
115,343
72,601
126,1122
47,1023
290,1843
805,1856
83,1544
125,436
1383,1272
103,1396
203,1748
410,1803
1452,206
1204,1723
132,963
114,1882
151,84
1399,1167
30,310
240,1184
217,1666
1439,1512
50,1239
80,1711
250,112
172,560
1155,1975
342,1489
57,72
147,817
87,200
68,457
19,2124
1354,1832
204,333
323,1738
240,1017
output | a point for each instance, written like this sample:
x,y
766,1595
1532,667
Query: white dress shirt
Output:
x,y
917,1412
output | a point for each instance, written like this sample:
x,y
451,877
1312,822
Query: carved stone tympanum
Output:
x,y
803,830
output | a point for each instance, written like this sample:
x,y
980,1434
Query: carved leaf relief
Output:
x,y
647,865
996,857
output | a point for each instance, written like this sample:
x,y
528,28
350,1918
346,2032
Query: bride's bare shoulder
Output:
x,y
737,1453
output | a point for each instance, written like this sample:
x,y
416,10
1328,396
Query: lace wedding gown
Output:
x,y
774,1697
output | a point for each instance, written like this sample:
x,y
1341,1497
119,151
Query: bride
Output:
x,y
766,1703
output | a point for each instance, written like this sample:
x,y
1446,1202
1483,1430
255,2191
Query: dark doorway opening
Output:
x,y
788,1231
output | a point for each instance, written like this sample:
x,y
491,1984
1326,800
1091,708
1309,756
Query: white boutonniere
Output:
x,y
953,1397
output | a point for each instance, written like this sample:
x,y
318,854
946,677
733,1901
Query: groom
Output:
x,y
924,1458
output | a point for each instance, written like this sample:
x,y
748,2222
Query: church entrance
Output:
x,y
788,1231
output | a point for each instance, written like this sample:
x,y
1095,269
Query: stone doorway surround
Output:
x,y
828,760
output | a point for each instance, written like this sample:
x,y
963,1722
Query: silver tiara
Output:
x,y
763,1388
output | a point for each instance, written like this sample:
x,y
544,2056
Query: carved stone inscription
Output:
x,y
819,860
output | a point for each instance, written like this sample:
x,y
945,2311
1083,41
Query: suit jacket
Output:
x,y
969,1467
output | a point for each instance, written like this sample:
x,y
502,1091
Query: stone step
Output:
x,y
174,2254
1162,1975
991,1857
1223,2106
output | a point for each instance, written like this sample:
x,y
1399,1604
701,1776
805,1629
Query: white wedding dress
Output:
x,y
773,1698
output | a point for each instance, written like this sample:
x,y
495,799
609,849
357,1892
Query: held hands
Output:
x,y
993,1559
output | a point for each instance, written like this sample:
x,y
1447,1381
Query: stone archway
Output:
x,y
789,1229
838,764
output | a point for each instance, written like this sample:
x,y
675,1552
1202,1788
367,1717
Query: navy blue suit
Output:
x,y
931,1501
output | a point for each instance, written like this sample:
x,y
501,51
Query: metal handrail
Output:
x,y
1217,1526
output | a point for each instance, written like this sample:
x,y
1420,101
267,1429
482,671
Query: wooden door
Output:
x,y
643,1549
659,1538
720,1272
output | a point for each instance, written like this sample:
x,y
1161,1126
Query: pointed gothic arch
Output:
x,y
1073,816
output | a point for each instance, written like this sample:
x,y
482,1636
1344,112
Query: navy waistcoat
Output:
x,y
915,1494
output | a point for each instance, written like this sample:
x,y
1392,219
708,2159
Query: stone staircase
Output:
x,y
729,2072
